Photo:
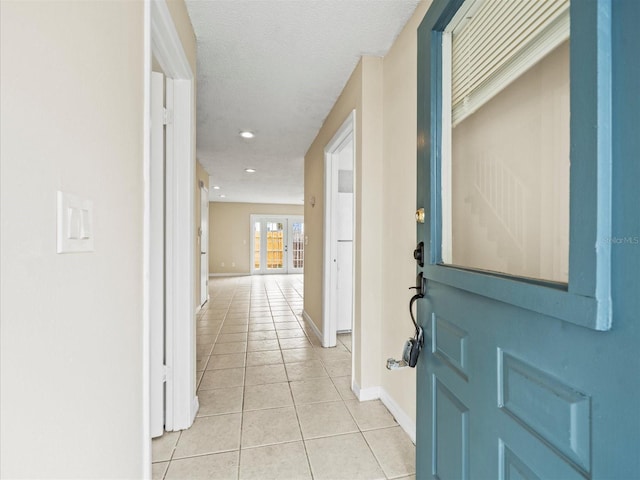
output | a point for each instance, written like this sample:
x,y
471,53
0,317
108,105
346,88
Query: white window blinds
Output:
x,y
495,41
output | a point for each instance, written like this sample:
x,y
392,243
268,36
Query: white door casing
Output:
x,y
338,271
204,244
156,255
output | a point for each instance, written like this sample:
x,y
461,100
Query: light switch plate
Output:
x,y
75,224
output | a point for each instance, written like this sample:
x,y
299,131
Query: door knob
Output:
x,y
420,215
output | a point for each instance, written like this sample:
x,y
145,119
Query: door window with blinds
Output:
x,y
505,138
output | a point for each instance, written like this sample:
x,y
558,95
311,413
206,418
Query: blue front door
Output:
x,y
525,378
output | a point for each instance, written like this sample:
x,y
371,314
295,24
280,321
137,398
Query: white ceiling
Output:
x,y
276,67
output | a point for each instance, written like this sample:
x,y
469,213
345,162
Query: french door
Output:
x,y
529,368
277,244
295,248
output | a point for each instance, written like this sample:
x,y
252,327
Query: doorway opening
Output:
x,y
277,244
339,233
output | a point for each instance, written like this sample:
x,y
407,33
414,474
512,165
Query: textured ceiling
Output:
x,y
276,67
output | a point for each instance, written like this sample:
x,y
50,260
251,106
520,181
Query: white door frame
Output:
x,y
329,301
204,244
164,43
156,255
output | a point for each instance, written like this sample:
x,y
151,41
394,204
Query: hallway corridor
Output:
x,y
274,404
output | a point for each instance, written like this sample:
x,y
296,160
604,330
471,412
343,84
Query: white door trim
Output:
x,y
204,244
181,402
329,323
156,255
146,235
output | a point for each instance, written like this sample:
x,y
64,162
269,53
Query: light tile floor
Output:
x,y
274,404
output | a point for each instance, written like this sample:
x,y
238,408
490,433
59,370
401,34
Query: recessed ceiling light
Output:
x,y
250,170
216,187
247,134
222,195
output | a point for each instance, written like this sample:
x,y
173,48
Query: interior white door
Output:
x,y
204,245
156,255
344,287
342,211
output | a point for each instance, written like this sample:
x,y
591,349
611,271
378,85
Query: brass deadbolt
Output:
x,y
420,215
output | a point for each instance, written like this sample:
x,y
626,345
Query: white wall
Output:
x,y
71,329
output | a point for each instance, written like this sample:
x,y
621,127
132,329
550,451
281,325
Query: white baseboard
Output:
x,y
247,274
195,406
404,420
365,394
308,319
374,393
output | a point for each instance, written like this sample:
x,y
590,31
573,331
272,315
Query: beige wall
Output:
x,y
369,226
201,176
72,100
178,11
383,92
399,205
230,233
350,99
363,93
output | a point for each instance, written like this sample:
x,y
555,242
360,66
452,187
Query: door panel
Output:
x,y
257,245
344,286
450,433
295,245
513,383
275,246
496,372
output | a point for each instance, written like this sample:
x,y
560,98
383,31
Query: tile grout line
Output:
x,y
244,384
175,445
374,455
212,347
295,409
313,348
